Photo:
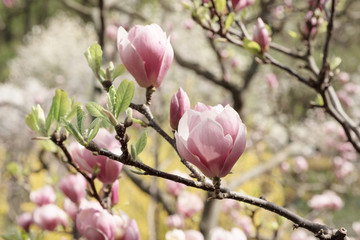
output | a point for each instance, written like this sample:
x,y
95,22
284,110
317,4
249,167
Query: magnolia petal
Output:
x,y
207,141
131,59
166,63
237,150
229,120
181,145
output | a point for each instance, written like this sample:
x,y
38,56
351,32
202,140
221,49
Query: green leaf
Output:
x,y
125,94
335,62
220,5
36,120
119,70
141,143
94,57
252,46
111,99
73,108
80,119
73,131
95,110
93,130
12,236
59,108
229,20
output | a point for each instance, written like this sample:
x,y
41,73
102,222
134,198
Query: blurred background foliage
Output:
x,y
41,47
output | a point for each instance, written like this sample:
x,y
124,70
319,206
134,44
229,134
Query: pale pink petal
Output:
x,y
229,119
207,141
166,63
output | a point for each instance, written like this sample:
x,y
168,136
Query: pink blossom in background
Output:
x,y
175,234
345,98
111,31
146,53
351,88
211,138
109,169
261,35
70,208
245,223
241,4
175,188
342,167
285,167
74,187
189,204
125,229
9,3
356,227
49,216
95,224
219,233
328,200
25,220
344,77
315,4
229,205
310,22
272,81
43,196
189,24
300,164
175,221
193,235
301,234
179,104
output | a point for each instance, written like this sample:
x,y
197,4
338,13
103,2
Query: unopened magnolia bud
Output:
x,y
128,122
261,35
179,104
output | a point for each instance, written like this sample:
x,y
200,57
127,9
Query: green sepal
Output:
x,y
252,46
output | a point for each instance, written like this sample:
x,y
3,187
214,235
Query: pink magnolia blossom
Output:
x,y
95,224
125,229
49,216
70,208
109,169
193,235
211,138
219,233
175,234
179,104
25,220
146,53
301,234
189,204
9,3
245,223
241,4
175,188
310,23
175,221
261,35
43,196
328,200
74,187
344,77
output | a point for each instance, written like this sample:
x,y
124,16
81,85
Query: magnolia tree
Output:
x,y
94,139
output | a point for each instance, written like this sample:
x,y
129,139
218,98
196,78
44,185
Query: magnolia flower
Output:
x,y
25,220
43,196
49,216
193,235
211,138
74,187
175,221
189,204
175,188
146,53
328,200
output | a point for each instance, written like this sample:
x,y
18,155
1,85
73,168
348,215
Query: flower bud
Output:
x,y
73,186
49,216
211,138
70,208
146,53
328,200
179,104
261,35
241,4
24,221
175,221
193,235
115,193
43,196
